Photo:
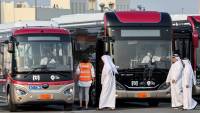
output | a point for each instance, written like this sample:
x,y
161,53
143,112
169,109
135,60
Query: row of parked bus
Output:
x,y
37,63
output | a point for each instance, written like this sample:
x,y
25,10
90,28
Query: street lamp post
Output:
x,y
0,11
102,5
182,10
36,10
141,8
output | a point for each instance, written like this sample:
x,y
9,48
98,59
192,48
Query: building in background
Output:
x,y
11,12
79,6
28,10
84,6
122,5
21,11
61,4
0,12
92,4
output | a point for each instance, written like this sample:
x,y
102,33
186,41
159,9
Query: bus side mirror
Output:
x,y
10,47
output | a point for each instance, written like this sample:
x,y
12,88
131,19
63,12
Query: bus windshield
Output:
x,y
129,54
55,54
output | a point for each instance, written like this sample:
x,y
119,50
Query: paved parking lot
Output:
x,y
124,108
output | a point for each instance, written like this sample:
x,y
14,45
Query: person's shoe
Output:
x,y
99,109
175,108
80,108
181,109
195,107
112,108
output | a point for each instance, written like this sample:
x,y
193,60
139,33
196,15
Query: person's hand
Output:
x,y
173,81
187,86
76,77
93,80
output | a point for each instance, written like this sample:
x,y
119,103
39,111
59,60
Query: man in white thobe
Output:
x,y
175,79
188,81
108,92
147,58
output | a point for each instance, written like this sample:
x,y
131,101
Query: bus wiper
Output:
x,y
42,67
60,73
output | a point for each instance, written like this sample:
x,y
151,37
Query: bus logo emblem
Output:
x,y
36,77
54,77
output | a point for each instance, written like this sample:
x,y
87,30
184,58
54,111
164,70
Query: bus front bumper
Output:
x,y
63,95
153,94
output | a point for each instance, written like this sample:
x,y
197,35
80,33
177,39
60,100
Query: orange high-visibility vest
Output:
x,y
85,72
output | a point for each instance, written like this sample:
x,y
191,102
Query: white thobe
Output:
x,y
44,61
146,59
108,92
188,79
175,73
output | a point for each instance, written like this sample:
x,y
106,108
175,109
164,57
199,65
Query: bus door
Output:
x,y
198,64
183,42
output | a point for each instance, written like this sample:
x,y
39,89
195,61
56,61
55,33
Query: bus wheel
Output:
x,y
153,103
12,107
68,107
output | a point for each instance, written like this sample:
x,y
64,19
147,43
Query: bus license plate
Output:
x,y
46,97
142,95
35,87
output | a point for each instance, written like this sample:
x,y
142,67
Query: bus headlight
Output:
x,y
198,80
68,92
21,92
163,86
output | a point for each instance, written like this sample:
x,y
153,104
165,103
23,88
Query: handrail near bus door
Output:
x,y
195,38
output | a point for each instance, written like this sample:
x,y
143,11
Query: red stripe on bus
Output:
x,y
2,81
195,37
42,83
197,18
41,31
138,16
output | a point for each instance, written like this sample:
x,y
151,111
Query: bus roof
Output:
x,y
41,30
137,18
11,26
182,17
74,20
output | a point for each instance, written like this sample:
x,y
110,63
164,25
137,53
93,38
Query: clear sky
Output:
x,y
171,6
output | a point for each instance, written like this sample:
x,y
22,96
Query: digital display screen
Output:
x,y
140,33
43,38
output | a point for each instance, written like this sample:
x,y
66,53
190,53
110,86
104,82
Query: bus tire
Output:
x,y
12,107
153,103
68,107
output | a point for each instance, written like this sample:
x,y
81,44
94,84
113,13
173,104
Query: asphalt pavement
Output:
x,y
122,108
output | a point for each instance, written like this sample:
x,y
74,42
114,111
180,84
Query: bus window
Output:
x,y
6,61
1,61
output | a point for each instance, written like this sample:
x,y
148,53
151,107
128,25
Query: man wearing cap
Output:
x,y
174,78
